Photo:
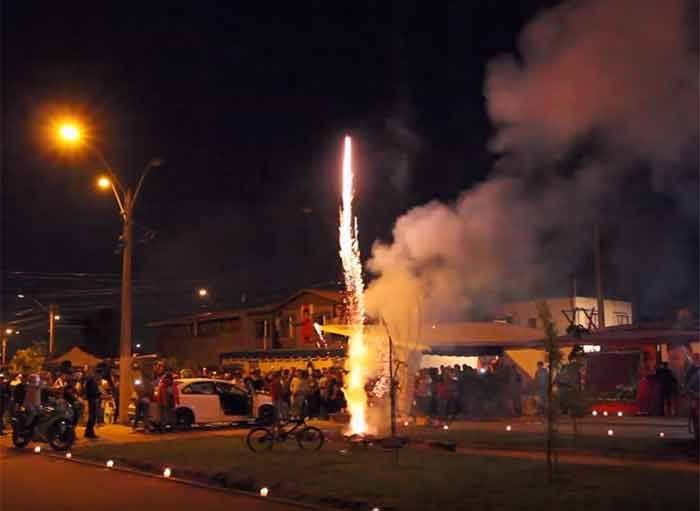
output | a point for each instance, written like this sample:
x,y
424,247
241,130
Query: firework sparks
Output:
x,y
352,267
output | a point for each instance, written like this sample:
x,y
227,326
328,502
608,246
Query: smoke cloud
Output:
x,y
596,121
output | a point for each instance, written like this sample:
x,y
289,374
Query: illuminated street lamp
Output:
x,y
70,133
8,332
202,292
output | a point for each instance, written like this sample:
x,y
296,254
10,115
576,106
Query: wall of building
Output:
x,y
202,340
617,312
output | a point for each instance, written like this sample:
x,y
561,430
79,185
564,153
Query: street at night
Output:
x,y
368,256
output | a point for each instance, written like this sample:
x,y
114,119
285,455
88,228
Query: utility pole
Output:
x,y
599,276
52,328
125,337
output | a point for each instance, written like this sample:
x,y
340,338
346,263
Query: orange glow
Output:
x,y
356,362
104,182
203,292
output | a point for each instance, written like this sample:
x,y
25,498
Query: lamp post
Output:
x,y
126,201
5,333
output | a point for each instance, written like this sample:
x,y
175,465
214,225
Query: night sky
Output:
x,y
247,105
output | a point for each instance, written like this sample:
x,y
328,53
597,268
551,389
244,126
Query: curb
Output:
x,y
189,482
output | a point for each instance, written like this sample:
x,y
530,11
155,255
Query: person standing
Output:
x,y
276,395
4,399
168,399
669,389
92,396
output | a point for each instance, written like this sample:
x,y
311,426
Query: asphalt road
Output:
x,y
37,482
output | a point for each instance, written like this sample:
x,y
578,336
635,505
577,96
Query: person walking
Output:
x,y
92,396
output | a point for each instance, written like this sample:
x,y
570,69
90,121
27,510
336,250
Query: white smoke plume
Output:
x,y
597,121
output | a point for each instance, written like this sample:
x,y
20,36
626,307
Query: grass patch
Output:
x,y
652,448
424,480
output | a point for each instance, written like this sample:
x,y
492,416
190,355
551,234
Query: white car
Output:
x,y
207,400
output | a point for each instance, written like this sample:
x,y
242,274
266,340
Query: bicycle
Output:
x,y
263,438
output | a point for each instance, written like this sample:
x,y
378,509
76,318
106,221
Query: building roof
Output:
x,y
77,357
328,294
640,333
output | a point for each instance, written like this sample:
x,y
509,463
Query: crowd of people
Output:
x,y
298,392
445,392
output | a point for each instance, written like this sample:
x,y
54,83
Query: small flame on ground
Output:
x,y
594,413
110,463
69,455
619,414
264,492
661,434
356,363
445,427
605,413
611,432
167,472
37,449
508,428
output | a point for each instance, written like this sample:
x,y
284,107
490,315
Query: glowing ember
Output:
x,y
352,267
110,464
37,449
264,492
69,455
167,472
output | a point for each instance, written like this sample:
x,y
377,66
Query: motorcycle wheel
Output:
x,y
20,438
61,436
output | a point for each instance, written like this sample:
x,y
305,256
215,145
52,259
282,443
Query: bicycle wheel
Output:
x,y
310,438
259,439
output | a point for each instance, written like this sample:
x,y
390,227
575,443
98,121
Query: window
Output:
x,y
532,322
225,388
290,324
208,328
622,318
260,329
201,387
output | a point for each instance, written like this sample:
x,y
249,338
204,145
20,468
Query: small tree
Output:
x,y
28,360
554,361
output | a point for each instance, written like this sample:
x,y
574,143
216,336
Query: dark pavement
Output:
x,y
37,482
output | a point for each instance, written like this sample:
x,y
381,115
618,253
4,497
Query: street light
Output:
x,y
70,133
202,292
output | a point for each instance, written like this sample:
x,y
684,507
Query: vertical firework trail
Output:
x,y
356,362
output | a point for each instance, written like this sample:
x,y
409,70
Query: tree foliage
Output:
x,y
28,360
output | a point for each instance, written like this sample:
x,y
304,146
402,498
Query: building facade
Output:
x,y
582,310
285,325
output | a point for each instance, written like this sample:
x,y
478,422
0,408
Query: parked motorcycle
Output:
x,y
52,424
